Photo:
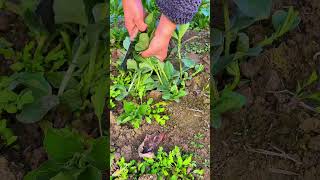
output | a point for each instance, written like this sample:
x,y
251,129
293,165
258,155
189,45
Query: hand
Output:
x,y
159,44
134,17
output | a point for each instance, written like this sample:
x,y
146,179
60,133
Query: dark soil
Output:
x,y
187,118
274,136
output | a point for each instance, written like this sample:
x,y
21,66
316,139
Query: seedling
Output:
x,y
172,165
135,113
7,136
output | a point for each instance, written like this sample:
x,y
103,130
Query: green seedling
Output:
x,y
135,113
78,158
178,35
198,48
7,135
173,165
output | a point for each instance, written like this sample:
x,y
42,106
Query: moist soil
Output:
x,y
274,137
189,117
30,154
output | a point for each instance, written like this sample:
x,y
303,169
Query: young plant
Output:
x,y
135,113
7,136
71,156
173,165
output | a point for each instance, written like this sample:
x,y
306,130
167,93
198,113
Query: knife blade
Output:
x,y
123,65
127,56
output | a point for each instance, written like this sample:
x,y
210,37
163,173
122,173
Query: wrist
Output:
x,y
166,27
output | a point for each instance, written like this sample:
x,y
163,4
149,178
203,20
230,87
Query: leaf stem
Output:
x,y
227,27
72,66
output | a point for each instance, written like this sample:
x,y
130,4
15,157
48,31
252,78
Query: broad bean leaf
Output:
x,y
132,64
91,173
62,144
46,170
257,9
143,42
72,98
100,12
98,153
279,18
98,99
38,109
71,11
182,29
34,81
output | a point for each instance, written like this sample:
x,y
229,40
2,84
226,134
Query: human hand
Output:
x,y
134,17
159,44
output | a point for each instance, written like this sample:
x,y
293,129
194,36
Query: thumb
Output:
x,y
148,53
140,24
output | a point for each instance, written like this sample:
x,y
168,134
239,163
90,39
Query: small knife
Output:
x,y
123,65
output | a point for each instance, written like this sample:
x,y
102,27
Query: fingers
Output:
x,y
153,52
134,33
140,24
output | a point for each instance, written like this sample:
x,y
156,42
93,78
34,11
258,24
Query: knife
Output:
x,y
123,65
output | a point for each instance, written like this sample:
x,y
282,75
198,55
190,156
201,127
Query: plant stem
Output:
x,y
227,27
72,66
179,57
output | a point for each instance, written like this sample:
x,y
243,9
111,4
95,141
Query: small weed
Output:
x,y
172,165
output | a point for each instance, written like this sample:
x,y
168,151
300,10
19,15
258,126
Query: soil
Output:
x,y
187,118
274,136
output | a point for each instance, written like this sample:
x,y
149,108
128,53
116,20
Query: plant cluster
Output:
x,y
173,165
232,46
71,156
135,113
62,65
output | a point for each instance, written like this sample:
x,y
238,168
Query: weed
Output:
x,y
164,165
134,113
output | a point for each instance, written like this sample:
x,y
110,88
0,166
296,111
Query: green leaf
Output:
x,y
38,109
132,64
25,98
100,12
243,43
55,79
279,18
258,9
187,161
229,101
98,155
143,42
18,66
189,63
71,11
98,99
182,29
62,144
72,98
46,170
63,176
217,36
91,173
35,82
